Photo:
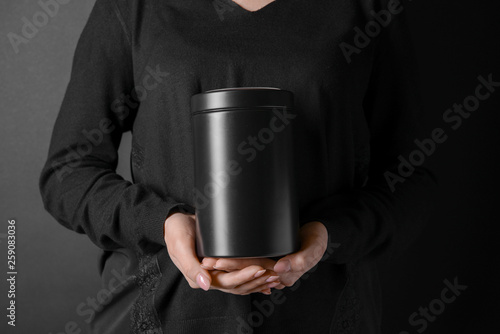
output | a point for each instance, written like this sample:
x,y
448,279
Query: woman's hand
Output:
x,y
314,242
179,235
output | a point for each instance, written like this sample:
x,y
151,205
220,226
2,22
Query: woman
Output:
x,y
137,63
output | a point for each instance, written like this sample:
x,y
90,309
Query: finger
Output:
x,y
208,263
229,264
280,287
254,285
225,280
260,288
266,292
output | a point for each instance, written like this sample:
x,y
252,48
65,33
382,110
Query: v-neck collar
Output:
x,y
248,12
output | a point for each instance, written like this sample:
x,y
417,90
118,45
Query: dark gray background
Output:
x,y
455,41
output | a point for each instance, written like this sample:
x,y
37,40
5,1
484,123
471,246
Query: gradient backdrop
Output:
x,y
456,41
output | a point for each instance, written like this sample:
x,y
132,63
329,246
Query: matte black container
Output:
x,y
245,193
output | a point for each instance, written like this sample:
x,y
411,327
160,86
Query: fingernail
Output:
x,y
266,292
287,266
259,273
203,282
272,278
273,285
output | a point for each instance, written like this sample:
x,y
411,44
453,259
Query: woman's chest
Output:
x,y
291,44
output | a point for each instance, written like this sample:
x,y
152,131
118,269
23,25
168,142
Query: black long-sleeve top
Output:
x,y
135,68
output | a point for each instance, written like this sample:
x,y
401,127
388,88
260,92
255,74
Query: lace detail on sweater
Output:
x,y
348,309
144,319
137,153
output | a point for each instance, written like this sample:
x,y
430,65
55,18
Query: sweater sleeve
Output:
x,y
78,183
391,209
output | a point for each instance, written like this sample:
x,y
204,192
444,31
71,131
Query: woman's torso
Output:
x,y
181,48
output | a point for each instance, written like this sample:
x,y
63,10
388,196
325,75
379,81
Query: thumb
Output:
x,y
305,258
183,251
192,267
301,261
283,265
202,278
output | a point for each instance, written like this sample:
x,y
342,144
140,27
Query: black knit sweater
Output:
x,y
136,66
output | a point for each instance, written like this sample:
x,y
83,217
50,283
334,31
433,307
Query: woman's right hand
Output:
x,y
179,234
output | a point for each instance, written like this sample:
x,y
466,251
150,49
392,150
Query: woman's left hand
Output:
x,y
314,240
